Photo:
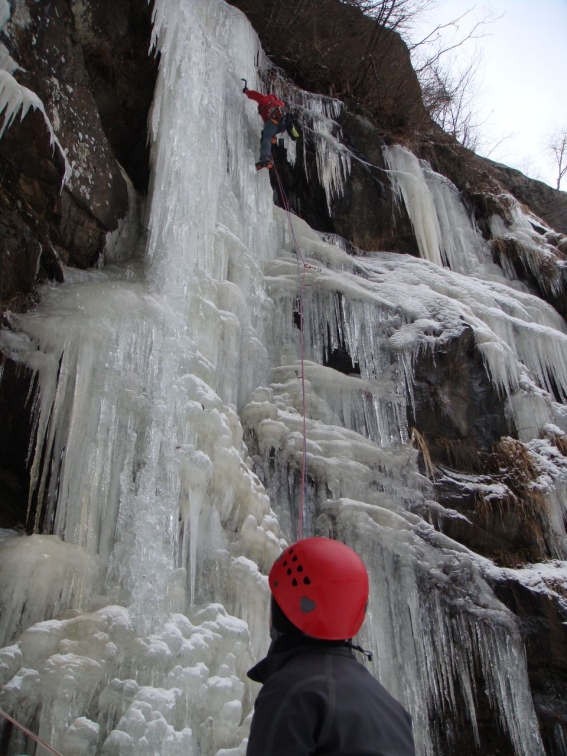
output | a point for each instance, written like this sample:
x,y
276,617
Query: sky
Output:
x,y
522,80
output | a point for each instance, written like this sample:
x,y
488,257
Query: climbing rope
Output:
x,y
303,526
29,733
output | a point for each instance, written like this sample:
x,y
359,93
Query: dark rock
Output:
x,y
115,36
59,78
500,527
19,256
32,174
15,410
545,274
456,408
340,359
379,222
459,495
88,63
548,203
461,419
302,189
367,215
78,240
542,617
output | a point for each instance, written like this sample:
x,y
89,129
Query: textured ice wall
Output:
x,y
447,235
152,373
384,308
139,466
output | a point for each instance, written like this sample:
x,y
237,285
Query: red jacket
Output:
x,y
269,106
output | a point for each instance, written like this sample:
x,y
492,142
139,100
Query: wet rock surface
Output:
x,y
30,202
89,66
542,619
16,404
550,204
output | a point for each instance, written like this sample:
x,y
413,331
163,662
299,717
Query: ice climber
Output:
x,y
316,697
276,121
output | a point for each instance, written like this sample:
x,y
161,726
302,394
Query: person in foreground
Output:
x,y
316,697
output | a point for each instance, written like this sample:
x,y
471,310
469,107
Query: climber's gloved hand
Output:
x,y
245,89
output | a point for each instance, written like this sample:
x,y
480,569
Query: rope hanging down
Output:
x,y
29,733
303,527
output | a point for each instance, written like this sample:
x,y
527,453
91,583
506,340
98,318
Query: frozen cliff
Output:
x,y
167,433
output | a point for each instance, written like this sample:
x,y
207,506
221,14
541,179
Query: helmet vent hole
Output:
x,y
294,582
300,568
285,564
294,559
291,551
289,572
306,581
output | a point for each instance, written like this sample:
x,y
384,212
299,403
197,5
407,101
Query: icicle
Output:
x,y
196,471
409,184
5,12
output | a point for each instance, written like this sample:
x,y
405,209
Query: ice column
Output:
x,y
159,526
443,228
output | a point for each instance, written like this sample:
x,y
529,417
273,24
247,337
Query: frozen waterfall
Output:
x,y
168,427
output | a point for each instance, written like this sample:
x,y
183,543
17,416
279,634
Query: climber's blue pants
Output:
x,y
268,133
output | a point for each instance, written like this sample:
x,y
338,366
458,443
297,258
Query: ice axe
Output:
x,y
245,84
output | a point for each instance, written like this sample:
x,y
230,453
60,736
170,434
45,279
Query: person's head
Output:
x,y
319,588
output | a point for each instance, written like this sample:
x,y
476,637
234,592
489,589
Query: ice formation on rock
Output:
x,y
14,98
169,441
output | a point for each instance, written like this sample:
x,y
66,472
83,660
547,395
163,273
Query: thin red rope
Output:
x,y
301,275
29,732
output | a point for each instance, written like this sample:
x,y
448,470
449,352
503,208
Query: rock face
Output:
x,y
33,171
450,386
115,42
368,215
542,621
63,197
550,204
15,431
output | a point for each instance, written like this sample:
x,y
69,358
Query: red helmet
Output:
x,y
321,586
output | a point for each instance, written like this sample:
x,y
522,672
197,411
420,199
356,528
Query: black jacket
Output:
x,y
320,700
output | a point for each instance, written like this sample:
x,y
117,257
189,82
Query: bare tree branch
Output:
x,y
449,83
557,149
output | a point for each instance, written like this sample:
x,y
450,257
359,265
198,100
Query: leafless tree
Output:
x,y
450,88
450,94
397,15
557,149
449,77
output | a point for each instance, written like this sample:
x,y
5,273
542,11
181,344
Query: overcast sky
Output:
x,y
523,80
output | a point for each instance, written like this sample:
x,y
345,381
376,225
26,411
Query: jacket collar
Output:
x,y
278,657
